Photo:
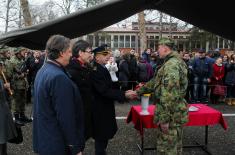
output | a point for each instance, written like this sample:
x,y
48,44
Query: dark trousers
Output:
x,y
100,147
230,91
200,89
3,149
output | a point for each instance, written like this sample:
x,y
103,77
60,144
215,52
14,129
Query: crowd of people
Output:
x,y
73,89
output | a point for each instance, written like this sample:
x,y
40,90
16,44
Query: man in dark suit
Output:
x,y
105,125
79,68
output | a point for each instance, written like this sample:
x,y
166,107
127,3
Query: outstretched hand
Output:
x,y
130,94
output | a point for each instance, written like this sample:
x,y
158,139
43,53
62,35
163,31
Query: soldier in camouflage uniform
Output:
x,y
19,85
169,88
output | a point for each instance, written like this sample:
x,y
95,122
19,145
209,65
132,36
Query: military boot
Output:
x,y
18,120
24,118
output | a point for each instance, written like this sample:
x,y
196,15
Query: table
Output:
x,y
204,117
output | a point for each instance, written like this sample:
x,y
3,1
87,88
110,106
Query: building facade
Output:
x,y
128,37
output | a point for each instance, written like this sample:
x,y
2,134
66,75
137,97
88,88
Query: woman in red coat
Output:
x,y
217,78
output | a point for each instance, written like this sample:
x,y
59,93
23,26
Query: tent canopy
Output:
x,y
213,16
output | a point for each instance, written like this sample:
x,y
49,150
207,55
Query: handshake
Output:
x,y
131,95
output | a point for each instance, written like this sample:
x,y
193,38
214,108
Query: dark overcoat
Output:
x,y
105,125
81,76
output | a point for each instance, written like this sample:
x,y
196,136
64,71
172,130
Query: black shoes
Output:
x,y
21,119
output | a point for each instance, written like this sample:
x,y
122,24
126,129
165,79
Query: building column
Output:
x,y
112,40
184,46
93,41
218,42
223,43
124,46
207,45
136,43
190,45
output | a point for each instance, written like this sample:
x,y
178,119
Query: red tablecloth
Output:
x,y
205,116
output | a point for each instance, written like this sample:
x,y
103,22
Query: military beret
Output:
x,y
166,41
101,50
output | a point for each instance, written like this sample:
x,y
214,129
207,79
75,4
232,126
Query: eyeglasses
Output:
x,y
90,52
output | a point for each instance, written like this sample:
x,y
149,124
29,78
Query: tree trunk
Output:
x,y
160,23
7,15
170,28
143,38
26,13
19,24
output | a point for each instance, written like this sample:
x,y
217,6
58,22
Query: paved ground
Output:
x,y
221,142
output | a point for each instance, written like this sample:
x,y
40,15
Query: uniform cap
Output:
x,y
101,50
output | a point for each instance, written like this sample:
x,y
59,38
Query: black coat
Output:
x,y
81,76
124,73
105,125
230,76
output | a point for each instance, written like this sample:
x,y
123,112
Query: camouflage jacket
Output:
x,y
169,88
13,70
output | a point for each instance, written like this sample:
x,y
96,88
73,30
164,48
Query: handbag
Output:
x,y
220,90
19,138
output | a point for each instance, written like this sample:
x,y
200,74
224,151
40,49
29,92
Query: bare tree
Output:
x,y
26,13
161,25
44,12
9,14
90,3
68,6
142,28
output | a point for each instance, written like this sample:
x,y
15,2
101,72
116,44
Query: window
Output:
x,y
97,41
115,41
90,39
102,40
121,41
132,41
127,41
108,40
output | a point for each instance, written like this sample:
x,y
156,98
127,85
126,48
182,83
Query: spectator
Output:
x,y
202,72
230,81
142,71
132,64
186,58
146,55
112,68
124,73
217,78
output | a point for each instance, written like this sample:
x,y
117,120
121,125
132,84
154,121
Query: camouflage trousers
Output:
x,y
19,100
170,143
